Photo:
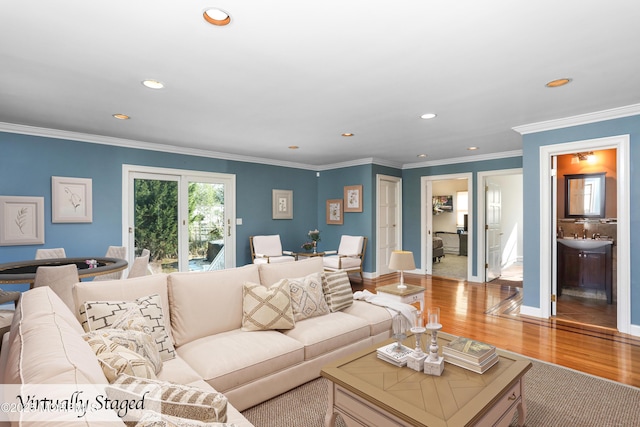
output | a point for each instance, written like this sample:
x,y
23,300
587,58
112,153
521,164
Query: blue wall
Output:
x,y
531,183
411,198
27,164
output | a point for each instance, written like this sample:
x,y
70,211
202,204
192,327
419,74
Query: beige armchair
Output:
x,y
268,249
140,266
348,257
60,279
119,252
50,253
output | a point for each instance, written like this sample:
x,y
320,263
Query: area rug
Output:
x,y
555,397
451,267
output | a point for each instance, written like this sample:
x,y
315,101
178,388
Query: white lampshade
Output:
x,y
401,260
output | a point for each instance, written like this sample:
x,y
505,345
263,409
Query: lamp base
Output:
x,y
402,286
434,367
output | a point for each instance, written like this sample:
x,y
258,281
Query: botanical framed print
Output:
x,y
21,220
334,211
71,199
282,204
353,198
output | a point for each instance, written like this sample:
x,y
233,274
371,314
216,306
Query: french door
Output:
x,y
186,219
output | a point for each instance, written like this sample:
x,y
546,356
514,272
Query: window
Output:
x,y
462,208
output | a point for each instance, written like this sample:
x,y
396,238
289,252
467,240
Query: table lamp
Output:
x,y
401,260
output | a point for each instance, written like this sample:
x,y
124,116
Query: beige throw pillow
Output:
x,y
96,315
154,419
136,341
116,359
267,308
164,397
337,290
307,298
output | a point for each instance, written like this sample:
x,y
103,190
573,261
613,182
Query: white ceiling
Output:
x,y
288,72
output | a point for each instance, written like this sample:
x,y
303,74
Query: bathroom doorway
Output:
x,y
549,223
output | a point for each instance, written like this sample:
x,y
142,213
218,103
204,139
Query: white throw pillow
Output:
x,y
307,298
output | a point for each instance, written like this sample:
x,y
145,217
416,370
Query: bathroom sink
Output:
x,y
584,243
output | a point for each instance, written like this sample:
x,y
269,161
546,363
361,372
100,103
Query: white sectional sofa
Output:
x,y
205,312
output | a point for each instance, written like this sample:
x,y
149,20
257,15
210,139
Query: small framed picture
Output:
x,y
334,211
21,220
353,198
71,199
282,204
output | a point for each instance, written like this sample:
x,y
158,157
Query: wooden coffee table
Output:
x,y
367,391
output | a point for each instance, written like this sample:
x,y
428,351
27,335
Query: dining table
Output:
x,y
25,271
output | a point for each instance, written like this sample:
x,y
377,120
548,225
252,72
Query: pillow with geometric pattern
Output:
x,y
116,359
307,298
138,341
95,315
266,308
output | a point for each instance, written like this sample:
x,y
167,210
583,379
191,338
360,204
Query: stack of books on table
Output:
x,y
393,354
470,354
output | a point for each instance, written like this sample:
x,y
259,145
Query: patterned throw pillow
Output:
x,y
307,298
154,419
136,341
96,315
168,398
266,308
337,290
116,359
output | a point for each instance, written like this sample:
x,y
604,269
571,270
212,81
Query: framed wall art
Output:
x,y
71,199
353,198
334,211
21,220
282,204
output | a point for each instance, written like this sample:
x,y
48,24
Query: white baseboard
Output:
x,y
634,330
531,311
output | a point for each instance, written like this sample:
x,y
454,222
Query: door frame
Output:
x,y
182,176
426,222
398,182
481,215
548,208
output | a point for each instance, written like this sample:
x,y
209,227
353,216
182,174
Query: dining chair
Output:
x,y
50,253
268,249
60,279
348,257
140,266
119,252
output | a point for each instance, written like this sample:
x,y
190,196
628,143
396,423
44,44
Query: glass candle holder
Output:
x,y
433,316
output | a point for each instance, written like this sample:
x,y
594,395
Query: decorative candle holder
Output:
x,y
416,359
398,331
433,364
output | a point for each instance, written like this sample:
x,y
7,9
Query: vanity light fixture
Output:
x,y
217,17
121,116
153,84
558,82
581,157
428,116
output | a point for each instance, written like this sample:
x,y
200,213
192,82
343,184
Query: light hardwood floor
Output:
x,y
490,313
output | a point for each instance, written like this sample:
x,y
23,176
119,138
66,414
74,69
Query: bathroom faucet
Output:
x,y
595,236
584,233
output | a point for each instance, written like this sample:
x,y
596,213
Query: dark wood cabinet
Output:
x,y
585,268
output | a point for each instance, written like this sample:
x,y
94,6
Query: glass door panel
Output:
x,y
206,226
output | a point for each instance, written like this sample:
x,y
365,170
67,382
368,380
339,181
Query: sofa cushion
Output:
x,y
267,308
323,334
272,273
116,359
376,316
97,315
307,298
45,344
207,303
337,290
169,398
241,357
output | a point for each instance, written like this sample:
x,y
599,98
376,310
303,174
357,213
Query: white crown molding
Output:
x,y
360,162
467,159
582,119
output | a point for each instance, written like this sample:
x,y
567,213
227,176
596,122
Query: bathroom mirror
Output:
x,y
584,195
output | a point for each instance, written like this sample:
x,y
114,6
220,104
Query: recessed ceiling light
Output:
x,y
215,16
347,134
472,148
422,156
121,116
558,82
428,116
293,147
153,84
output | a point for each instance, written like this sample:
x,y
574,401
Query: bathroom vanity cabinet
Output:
x,y
585,269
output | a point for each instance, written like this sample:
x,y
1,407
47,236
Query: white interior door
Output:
x,y
493,216
389,221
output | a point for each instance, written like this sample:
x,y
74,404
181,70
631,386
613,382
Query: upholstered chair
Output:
x,y
119,252
50,253
268,249
140,266
60,279
348,257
